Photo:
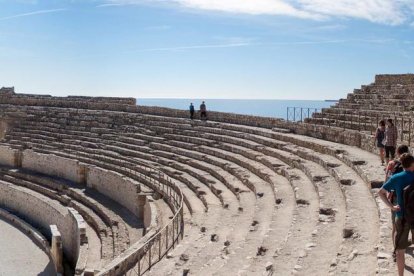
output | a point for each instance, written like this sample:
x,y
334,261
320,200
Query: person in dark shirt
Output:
x,y
398,183
203,111
379,140
192,110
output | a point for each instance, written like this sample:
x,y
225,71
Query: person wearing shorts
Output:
x,y
391,136
394,167
398,183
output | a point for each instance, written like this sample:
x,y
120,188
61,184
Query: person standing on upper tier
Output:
x,y
192,110
379,140
391,136
203,111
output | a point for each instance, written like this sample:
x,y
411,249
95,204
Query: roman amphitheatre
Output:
x,y
103,186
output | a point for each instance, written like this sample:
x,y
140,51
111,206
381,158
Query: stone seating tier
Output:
x,y
239,151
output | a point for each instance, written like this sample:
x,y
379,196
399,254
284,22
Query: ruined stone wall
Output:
x,y
114,185
41,212
80,102
395,79
232,118
8,156
50,164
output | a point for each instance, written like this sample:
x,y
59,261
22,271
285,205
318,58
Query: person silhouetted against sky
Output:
x,y
203,111
192,110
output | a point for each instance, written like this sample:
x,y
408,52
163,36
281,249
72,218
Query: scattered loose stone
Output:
x,y
240,209
302,254
184,257
297,267
347,182
358,162
214,238
326,211
203,229
261,251
382,255
186,272
310,245
278,201
269,266
226,243
302,202
353,254
260,194
347,233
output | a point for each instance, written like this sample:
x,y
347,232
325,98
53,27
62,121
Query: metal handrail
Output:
x,y
173,196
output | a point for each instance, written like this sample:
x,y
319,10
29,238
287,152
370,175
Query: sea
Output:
x,y
266,108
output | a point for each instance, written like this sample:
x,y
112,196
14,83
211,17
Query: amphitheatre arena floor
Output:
x,y
20,255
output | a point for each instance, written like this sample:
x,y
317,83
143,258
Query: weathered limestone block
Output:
x,y
53,165
122,189
56,249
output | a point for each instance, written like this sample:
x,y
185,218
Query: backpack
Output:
x,y
397,169
409,204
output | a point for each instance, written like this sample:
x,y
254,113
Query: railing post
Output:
x,y
159,247
409,131
139,264
308,112
287,114
149,256
173,235
166,237
294,114
301,114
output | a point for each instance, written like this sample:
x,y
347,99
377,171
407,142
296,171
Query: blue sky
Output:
x,y
267,49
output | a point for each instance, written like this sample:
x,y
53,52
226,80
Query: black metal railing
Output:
x,y
299,114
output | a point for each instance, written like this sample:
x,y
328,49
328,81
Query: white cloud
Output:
x,y
392,12
31,13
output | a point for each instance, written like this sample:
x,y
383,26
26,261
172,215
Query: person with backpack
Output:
x,y
379,140
393,168
404,209
203,111
391,136
192,110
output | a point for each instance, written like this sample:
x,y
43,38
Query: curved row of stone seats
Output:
x,y
263,223
327,164
201,141
112,229
97,209
365,164
76,142
265,133
42,212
